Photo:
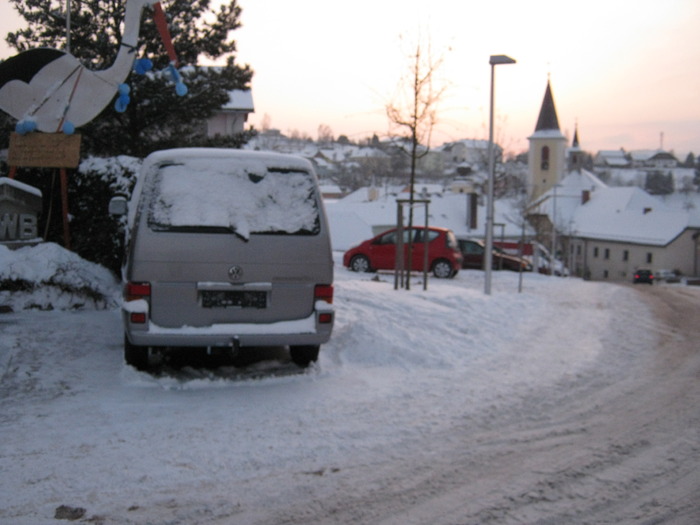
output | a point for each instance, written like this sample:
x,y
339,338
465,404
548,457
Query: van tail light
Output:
x,y
137,317
136,291
324,292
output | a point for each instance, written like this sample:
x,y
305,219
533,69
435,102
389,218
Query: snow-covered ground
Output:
x,y
425,407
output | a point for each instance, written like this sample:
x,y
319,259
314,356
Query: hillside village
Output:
x,y
604,215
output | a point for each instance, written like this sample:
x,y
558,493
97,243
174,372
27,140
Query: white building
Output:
x,y
601,232
231,118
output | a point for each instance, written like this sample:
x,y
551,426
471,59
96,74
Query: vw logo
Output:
x,y
235,273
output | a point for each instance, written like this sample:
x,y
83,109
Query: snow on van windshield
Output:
x,y
242,197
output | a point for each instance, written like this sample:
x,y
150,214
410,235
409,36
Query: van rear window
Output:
x,y
212,195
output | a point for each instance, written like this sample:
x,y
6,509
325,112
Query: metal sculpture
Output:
x,y
51,91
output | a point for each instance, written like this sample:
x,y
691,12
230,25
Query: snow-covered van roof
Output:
x,y
231,203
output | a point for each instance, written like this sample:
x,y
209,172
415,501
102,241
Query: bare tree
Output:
x,y
266,123
413,114
325,134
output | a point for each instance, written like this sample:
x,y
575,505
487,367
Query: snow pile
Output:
x,y
47,277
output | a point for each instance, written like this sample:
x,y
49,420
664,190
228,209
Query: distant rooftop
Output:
x,y
240,99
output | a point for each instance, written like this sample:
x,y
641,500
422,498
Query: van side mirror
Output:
x,y
118,206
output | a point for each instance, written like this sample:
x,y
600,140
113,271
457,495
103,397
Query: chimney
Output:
x,y
585,196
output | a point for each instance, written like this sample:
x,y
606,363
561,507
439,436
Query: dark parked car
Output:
x,y
379,253
473,257
643,275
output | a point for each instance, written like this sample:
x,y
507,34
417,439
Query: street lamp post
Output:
x,y
494,60
553,255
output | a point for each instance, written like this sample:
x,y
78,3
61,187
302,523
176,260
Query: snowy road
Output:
x,y
572,402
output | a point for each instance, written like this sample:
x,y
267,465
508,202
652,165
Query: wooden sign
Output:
x,y
44,150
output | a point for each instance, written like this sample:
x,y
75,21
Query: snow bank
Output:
x,y
47,277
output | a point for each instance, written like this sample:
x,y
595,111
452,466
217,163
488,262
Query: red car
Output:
x,y
379,253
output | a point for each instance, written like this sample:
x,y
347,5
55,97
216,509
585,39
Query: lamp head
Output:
x,y
500,59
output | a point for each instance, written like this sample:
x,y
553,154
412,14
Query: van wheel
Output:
x,y
442,269
304,355
136,356
360,263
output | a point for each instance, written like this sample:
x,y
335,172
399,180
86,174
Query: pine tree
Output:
x,y
156,117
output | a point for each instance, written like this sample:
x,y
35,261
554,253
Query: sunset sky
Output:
x,y
627,71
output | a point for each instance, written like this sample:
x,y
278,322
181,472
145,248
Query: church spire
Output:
x,y
575,143
575,156
548,113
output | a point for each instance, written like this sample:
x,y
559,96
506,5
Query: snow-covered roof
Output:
x,y
478,144
644,155
562,201
240,100
583,206
582,180
616,157
612,153
5,181
547,134
361,153
628,215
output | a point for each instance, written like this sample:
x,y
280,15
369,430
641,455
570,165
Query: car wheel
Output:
x,y
442,269
136,356
360,263
304,355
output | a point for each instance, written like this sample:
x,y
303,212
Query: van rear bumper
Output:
x,y
308,331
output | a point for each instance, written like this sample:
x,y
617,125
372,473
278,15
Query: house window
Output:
x,y
605,274
626,255
649,258
595,252
545,158
607,253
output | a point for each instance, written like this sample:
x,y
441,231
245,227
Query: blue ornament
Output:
x,y
68,127
180,87
25,126
143,66
123,99
121,103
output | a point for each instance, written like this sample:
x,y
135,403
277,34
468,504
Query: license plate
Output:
x,y
236,299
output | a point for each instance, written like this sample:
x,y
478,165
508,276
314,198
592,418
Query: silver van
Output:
x,y
225,249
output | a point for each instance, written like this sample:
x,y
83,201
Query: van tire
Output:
x,y
442,269
304,355
360,263
136,356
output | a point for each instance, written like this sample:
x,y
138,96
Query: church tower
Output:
x,y
547,155
575,159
